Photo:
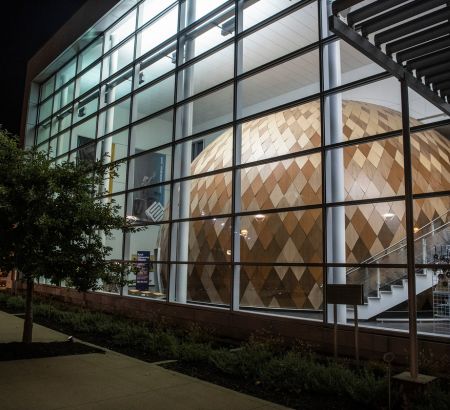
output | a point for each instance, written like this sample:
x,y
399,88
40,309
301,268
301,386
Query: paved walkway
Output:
x,y
104,381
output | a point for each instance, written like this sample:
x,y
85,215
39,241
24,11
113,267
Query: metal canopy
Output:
x,y
408,38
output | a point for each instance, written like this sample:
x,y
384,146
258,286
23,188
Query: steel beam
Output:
x,y
376,55
435,69
341,5
429,60
418,38
423,49
371,9
398,15
419,23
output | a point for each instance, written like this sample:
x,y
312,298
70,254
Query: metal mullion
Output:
x,y
279,158
431,195
209,131
409,211
150,150
158,184
366,201
169,245
368,265
157,17
323,159
364,140
359,83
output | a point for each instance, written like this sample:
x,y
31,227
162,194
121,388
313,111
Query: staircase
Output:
x,y
389,286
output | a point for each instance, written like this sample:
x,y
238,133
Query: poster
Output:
x,y
142,276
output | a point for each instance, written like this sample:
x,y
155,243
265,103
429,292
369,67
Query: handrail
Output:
x,y
393,248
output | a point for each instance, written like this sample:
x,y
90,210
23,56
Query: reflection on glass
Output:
x,y
117,87
86,107
43,132
149,9
45,110
47,88
115,146
63,97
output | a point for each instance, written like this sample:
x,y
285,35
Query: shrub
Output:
x,y
15,303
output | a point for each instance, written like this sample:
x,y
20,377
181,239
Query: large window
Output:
x,y
263,157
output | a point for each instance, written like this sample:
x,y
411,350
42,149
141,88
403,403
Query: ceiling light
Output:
x,y
388,216
260,217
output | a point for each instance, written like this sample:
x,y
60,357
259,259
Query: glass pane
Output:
x,y
63,97
294,79
279,289
47,88
284,132
92,53
286,237
115,241
206,112
156,65
89,80
149,204
374,233
354,65
210,195
152,133
66,73
206,240
43,132
430,161
120,31
86,153
288,183
45,110
285,35
206,36
150,168
208,72
63,143
86,107
158,31
115,117
84,133
154,99
118,59
371,170
208,152
116,183
118,87
115,146
53,148
368,110
196,9
64,119
149,9
263,9
210,284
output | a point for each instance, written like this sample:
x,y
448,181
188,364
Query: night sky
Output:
x,y
25,27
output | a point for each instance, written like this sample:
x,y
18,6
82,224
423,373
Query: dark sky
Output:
x,y
25,26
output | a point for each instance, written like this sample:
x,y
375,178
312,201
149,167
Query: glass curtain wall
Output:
x,y
264,157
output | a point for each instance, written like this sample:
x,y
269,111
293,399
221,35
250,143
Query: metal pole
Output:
x,y
355,309
335,335
335,170
413,347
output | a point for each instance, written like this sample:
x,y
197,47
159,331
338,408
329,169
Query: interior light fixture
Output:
x,y
260,217
227,27
388,216
244,232
416,229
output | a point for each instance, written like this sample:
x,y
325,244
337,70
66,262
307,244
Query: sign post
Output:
x,y
345,295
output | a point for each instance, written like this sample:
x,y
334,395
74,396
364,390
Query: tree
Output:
x,y
53,221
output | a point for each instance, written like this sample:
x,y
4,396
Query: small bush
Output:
x,y
15,303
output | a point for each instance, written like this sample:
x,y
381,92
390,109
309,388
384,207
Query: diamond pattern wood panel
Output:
x,y
372,170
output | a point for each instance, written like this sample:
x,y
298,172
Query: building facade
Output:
x,y
264,156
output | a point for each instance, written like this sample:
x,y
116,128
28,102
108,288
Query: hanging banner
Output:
x,y
142,276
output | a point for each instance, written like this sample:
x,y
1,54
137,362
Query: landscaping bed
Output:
x,y
263,366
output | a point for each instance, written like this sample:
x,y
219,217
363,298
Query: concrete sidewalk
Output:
x,y
104,381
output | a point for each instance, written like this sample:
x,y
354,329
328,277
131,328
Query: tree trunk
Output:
x,y
28,324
